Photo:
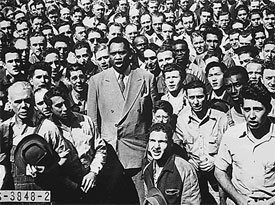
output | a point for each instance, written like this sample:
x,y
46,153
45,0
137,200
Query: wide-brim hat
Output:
x,y
35,150
155,197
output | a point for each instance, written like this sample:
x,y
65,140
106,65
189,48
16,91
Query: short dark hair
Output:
x,y
174,67
82,44
10,50
258,92
221,65
39,66
163,105
62,38
196,84
248,49
120,39
213,31
73,67
51,50
163,127
235,70
52,92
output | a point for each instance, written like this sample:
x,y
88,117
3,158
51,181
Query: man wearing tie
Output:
x,y
120,101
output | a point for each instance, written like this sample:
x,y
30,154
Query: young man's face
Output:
x,y
59,108
63,49
103,59
164,58
269,80
269,52
65,30
255,20
215,78
255,113
86,5
157,23
22,29
146,22
37,24
140,44
205,17
114,31
268,20
94,39
254,71
173,81
196,99
37,45
223,21
22,46
98,11
77,17
54,61
167,31
157,144
131,32
259,39
80,33
119,57
212,41
77,80
6,27
150,59
199,44
152,7
217,8
234,40
48,33
12,63
40,104
179,28
242,15
160,116
82,56
40,79
234,85
188,24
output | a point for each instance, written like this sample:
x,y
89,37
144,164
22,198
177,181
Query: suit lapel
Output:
x,y
111,79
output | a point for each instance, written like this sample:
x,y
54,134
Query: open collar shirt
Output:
x,y
252,160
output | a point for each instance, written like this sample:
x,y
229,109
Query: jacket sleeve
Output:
x,y
92,102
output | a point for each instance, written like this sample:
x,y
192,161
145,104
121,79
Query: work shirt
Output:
x,y
178,103
91,148
201,136
252,160
234,117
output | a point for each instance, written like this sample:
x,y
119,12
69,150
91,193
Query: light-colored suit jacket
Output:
x,y
123,122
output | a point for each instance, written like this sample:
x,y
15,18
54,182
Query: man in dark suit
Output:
x,y
120,101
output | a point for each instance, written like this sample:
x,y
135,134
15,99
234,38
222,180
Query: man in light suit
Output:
x,y
120,101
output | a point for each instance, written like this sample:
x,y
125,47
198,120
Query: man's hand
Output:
x,y
33,170
88,181
207,164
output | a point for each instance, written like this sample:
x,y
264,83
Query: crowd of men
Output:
x,y
142,101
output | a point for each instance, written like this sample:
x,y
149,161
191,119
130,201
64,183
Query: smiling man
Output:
x,y
247,147
120,101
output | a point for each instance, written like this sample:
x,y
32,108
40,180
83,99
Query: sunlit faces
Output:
x,y
242,15
114,31
205,17
48,33
152,7
212,41
77,17
80,33
269,80
184,4
157,22
169,5
63,49
65,30
37,24
40,103
22,46
259,39
223,21
164,58
234,40
119,57
54,61
188,24
53,18
94,39
196,98
244,59
103,59
38,44
86,5
77,80
140,43
22,29
82,56
40,79
169,17
167,31
12,63
173,81
150,58
268,20
217,8
59,108
98,11
6,27
131,31
234,85
65,14
134,16
255,20
255,113
199,44
254,71
179,28
269,52
255,5
123,5
215,77
146,22
157,144
160,116
122,20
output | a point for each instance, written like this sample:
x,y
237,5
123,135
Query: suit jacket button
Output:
x,y
116,125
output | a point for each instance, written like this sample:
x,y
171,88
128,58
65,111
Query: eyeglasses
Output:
x,y
93,40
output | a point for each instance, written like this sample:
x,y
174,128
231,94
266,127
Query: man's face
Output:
x,y
233,85
199,44
269,80
131,32
269,52
157,23
140,44
82,56
40,79
205,17
217,8
150,58
40,104
77,80
114,31
268,21
196,99
157,144
37,24
255,20
86,5
80,33
234,40
123,5
22,46
98,11
169,5
6,27
245,41
173,81
152,7
103,59
179,28
184,4
242,15
255,5
259,40
255,113
22,29
215,78
62,47
119,57
167,31
48,33
164,58
53,18
77,17
13,63
238,25
65,30
244,59
65,14
134,16
182,53
40,9
94,39
146,23
212,42
254,71
188,24
160,116
223,21
59,108
54,61
21,102
37,45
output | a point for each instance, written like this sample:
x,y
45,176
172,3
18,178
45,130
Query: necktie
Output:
x,y
121,82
